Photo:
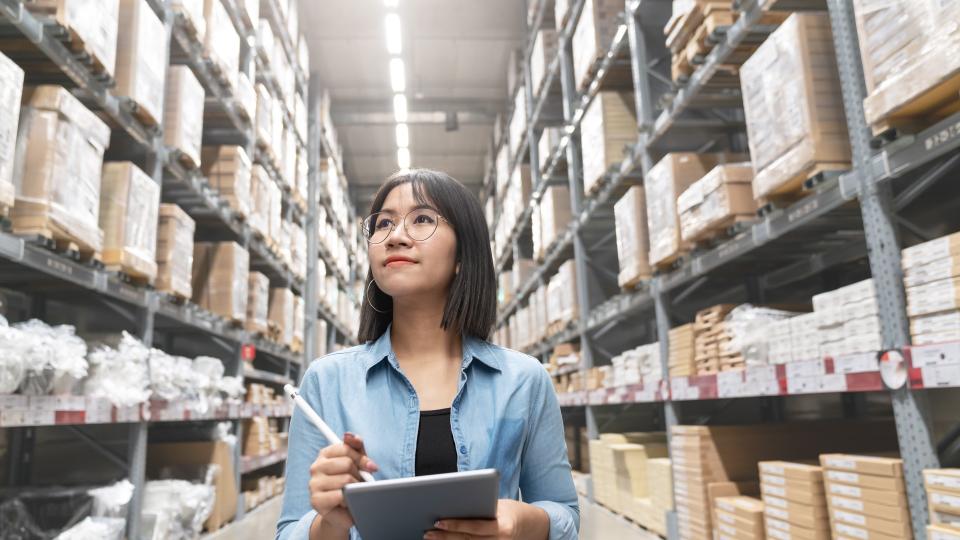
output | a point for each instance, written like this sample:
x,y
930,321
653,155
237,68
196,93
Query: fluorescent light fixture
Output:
x,y
403,158
398,76
403,136
394,45
400,108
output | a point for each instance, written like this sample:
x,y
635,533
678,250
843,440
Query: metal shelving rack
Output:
x,y
841,219
155,318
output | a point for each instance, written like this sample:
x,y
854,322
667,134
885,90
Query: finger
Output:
x,y
324,501
339,465
334,482
356,443
473,527
447,535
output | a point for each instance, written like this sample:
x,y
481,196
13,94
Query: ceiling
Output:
x,y
456,55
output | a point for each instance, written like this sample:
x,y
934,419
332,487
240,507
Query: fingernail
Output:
x,y
373,467
438,524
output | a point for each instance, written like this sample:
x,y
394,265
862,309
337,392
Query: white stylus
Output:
x,y
317,421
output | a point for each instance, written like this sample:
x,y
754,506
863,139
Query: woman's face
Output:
x,y
402,266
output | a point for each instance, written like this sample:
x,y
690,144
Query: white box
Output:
x,y
11,91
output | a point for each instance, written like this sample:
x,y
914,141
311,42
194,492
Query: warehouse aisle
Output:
x,y
598,523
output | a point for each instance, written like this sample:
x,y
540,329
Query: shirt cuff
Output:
x,y
301,529
563,524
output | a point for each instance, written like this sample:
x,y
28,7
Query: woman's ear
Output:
x,y
456,269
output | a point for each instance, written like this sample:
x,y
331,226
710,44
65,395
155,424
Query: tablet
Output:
x,y
405,508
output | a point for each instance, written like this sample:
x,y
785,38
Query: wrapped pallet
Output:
x,y
260,201
246,97
264,120
141,59
258,303
192,13
549,141
129,203
561,12
228,170
609,124
289,160
281,314
91,22
303,176
503,170
594,34
298,251
303,54
718,200
911,61
58,169
11,90
174,251
320,338
518,124
274,217
794,107
250,13
630,214
544,52
220,279
554,215
221,43
296,343
562,304
664,182
265,40
183,114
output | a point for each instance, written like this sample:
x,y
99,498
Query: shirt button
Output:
x,y
463,449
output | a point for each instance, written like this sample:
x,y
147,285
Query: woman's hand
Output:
x,y
336,466
515,520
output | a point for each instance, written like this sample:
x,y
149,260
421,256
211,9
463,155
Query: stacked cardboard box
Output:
x,y
943,496
633,246
794,107
866,497
544,51
594,34
129,203
183,114
711,338
632,478
174,251
192,13
715,202
62,145
848,321
228,170
221,42
141,59
930,275
265,204
549,140
97,35
551,218
618,466
562,303
608,125
261,436
260,394
682,361
739,518
795,502
258,303
258,490
280,315
11,80
660,487
220,279
264,119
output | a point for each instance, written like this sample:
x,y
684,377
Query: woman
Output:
x,y
428,393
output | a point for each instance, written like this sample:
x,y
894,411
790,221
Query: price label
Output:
x,y
932,355
834,382
806,368
940,376
856,363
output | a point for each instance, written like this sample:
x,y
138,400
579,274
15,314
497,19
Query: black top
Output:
x,y
436,452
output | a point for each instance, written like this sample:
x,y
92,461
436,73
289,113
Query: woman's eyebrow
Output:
x,y
417,207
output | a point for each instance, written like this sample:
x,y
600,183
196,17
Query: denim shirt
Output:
x,y
505,416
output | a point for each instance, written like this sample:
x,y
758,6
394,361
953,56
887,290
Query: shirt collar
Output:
x,y
473,349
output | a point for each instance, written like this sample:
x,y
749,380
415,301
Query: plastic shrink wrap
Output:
x,y
220,275
175,251
141,59
183,114
11,91
228,169
129,203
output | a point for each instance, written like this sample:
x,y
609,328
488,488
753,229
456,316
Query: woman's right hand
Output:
x,y
336,466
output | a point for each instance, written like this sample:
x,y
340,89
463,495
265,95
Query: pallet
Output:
x,y
928,107
183,159
72,39
63,246
32,220
174,297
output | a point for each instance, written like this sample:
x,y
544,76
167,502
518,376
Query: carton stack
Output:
x,y
220,279
549,140
96,35
11,79
562,304
280,315
793,107
551,219
141,59
710,339
258,490
608,125
660,482
858,316
221,43
183,114
943,496
631,476
175,251
129,202
544,51
594,34
633,245
931,275
618,464
261,436
739,518
717,201
258,303
866,497
518,123
228,170
794,500
682,361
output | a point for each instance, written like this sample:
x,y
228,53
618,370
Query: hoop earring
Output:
x,y
371,303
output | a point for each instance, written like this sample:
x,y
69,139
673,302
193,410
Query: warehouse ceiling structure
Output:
x,y
449,58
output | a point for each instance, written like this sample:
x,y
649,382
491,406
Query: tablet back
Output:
x,y
405,508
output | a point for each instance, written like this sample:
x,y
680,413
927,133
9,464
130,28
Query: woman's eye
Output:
x,y
423,219
384,223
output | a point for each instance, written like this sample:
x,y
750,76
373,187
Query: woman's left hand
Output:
x,y
515,520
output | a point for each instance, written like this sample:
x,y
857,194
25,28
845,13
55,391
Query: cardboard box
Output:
x,y
544,52
246,98
221,43
183,113
939,532
593,36
942,480
886,483
215,453
944,501
61,160
129,204
803,472
784,530
141,59
220,278
174,251
608,125
793,106
866,508
11,80
281,314
889,498
554,216
893,529
934,297
868,465
800,493
549,142
97,34
258,302
940,269
562,296
945,247
632,237
721,198
802,515
192,12
264,119
228,170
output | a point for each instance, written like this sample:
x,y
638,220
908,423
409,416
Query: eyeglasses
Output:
x,y
419,223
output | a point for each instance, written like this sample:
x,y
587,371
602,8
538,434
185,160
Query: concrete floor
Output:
x,y
260,524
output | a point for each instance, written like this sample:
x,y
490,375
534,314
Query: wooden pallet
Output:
x,y
32,221
174,297
71,38
932,106
798,186
132,268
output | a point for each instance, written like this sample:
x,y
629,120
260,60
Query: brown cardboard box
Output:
x,y
942,480
797,471
58,191
544,51
898,527
801,515
220,278
174,251
721,198
883,483
141,59
793,106
97,35
867,508
11,79
258,303
800,493
593,36
940,532
183,113
787,531
129,203
221,42
889,498
846,530
218,453
228,170
945,502
633,244
281,313
609,124
867,465
554,217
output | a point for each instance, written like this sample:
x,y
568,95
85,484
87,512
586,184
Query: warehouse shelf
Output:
x,y
272,13
249,464
264,160
266,77
39,411
338,325
251,373
332,267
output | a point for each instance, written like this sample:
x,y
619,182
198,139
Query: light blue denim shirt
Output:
x,y
505,416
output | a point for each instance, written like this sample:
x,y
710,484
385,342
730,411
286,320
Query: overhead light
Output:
x,y
400,108
394,45
398,76
403,136
403,158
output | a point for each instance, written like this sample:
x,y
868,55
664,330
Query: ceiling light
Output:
x,y
403,136
398,77
393,33
400,108
403,158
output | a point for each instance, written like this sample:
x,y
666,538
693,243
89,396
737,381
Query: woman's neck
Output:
x,y
416,334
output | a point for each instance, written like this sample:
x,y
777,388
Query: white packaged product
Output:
x,y
95,528
55,358
177,508
221,42
120,374
13,364
11,90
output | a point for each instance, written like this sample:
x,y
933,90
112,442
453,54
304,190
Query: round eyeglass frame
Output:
x,y
403,219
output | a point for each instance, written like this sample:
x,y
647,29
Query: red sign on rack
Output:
x,y
248,352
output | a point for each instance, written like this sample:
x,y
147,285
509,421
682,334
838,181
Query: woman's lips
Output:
x,y
397,263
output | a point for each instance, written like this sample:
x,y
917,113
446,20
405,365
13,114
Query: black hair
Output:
x,y
471,305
